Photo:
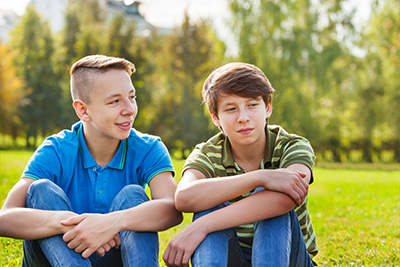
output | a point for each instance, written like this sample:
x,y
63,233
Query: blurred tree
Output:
x,y
11,94
300,45
33,43
189,55
379,96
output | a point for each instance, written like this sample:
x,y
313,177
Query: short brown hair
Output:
x,y
84,71
242,79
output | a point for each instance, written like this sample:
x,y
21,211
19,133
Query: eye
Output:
x,y
114,101
132,97
229,109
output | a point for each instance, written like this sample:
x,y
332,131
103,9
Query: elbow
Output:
x,y
182,202
287,203
175,218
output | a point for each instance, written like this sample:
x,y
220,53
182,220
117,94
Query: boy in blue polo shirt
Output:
x,y
243,184
81,198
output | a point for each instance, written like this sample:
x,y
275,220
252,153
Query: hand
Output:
x,y
92,232
290,182
115,242
181,248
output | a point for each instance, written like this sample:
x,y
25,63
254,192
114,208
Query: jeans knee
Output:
x,y
130,196
133,189
44,194
205,212
40,185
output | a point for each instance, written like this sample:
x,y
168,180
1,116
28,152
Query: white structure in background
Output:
x,y
53,11
8,20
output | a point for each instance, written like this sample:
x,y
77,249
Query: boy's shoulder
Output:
x,y
279,135
214,144
139,140
65,138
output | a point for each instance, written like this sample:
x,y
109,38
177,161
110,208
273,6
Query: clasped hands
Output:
x,y
91,233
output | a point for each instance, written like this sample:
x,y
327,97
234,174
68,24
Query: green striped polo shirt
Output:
x,y
214,159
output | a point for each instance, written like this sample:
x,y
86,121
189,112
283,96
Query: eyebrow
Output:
x,y
116,95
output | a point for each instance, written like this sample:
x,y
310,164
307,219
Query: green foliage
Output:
x,y
33,42
187,57
336,84
339,101
11,94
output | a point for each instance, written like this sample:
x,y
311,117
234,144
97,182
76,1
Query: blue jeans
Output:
x,y
277,242
137,248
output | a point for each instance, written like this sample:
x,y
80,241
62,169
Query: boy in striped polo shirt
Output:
x,y
247,186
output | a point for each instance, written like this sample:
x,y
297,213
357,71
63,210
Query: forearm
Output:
x,y
204,194
260,206
151,216
25,223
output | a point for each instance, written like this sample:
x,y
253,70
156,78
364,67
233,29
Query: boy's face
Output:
x,y
242,119
113,107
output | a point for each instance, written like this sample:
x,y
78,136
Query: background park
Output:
x,y
337,83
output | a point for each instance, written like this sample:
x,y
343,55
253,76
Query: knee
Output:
x,y
134,189
282,220
205,212
41,186
129,196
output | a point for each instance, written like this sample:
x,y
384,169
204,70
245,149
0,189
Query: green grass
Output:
x,y
355,213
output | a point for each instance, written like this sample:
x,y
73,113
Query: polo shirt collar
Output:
x,y
227,156
117,162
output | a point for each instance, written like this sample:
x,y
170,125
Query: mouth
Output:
x,y
125,125
245,130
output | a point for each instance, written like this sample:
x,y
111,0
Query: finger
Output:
x,y
68,236
186,258
101,252
112,243
179,258
166,256
117,239
107,247
88,252
73,220
169,256
80,248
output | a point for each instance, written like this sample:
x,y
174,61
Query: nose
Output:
x,y
243,116
130,108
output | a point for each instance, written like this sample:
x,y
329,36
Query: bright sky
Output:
x,y
160,13
170,13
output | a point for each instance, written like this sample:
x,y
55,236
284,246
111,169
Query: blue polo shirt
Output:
x,y
65,159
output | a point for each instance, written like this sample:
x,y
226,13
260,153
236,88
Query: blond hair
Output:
x,y
84,73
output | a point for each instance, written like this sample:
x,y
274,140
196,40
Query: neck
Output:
x,y
249,157
101,149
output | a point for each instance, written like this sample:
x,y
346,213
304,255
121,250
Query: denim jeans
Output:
x,y
277,242
137,248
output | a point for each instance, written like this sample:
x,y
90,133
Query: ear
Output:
x,y
215,119
268,109
81,110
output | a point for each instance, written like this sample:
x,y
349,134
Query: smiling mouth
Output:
x,y
125,125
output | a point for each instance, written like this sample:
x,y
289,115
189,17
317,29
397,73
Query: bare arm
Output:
x,y
17,221
248,210
196,193
94,230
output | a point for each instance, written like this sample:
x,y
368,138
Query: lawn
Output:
x,y
355,213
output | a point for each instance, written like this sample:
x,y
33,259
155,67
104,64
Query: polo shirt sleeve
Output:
x,y
200,161
44,163
156,161
298,150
